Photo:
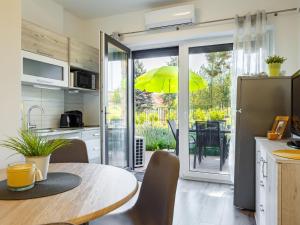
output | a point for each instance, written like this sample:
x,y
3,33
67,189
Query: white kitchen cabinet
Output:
x,y
277,185
92,141
91,137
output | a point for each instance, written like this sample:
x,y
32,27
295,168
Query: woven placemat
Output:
x,y
56,183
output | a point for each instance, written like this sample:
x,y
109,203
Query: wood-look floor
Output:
x,y
202,203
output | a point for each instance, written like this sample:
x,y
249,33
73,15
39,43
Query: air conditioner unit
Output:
x,y
139,151
170,16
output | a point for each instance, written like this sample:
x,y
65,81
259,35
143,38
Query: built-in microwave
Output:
x,y
43,70
82,79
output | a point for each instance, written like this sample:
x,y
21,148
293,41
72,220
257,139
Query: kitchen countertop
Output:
x,y
61,131
271,146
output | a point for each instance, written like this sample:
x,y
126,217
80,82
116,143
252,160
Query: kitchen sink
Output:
x,y
49,130
45,130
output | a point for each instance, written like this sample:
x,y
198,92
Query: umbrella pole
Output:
x,y
169,115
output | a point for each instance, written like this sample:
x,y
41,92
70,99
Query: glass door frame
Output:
x,y
104,40
183,111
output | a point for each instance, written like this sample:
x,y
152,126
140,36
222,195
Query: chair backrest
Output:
x,y
213,133
201,127
172,124
156,200
75,152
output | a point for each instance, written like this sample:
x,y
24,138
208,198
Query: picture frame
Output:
x,y
280,125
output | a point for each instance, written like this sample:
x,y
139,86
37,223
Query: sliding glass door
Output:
x,y
115,105
205,106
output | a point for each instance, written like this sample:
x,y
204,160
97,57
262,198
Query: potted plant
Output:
x,y
274,63
36,149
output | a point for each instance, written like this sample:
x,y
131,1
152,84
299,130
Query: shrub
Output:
x,y
140,118
156,137
216,115
200,115
153,117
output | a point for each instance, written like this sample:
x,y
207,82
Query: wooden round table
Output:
x,y
103,189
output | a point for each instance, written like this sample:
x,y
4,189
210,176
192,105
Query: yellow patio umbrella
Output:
x,y
165,80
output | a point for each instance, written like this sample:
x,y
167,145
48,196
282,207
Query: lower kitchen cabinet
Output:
x,y
92,141
277,185
91,137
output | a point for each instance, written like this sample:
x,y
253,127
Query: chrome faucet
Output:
x,y
29,125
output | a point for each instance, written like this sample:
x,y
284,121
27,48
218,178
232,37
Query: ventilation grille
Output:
x,y
139,151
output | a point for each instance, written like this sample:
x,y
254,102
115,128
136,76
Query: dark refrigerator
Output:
x,y
259,101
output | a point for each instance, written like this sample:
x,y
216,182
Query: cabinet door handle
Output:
x,y
44,81
263,169
73,137
261,208
261,183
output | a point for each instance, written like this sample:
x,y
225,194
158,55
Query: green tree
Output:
x,y
173,61
217,71
218,64
143,100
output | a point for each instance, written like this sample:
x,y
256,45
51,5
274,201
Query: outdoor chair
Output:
x,y
200,141
214,139
175,132
155,204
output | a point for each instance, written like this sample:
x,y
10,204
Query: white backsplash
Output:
x,y
73,101
54,103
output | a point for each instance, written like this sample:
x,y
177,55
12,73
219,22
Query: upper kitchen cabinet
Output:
x,y
83,56
44,42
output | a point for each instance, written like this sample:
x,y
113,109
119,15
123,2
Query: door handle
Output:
x,y
105,115
239,111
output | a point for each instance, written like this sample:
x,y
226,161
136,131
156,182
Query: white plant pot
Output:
x,y
41,163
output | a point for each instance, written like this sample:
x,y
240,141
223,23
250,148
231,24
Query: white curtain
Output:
x,y
252,44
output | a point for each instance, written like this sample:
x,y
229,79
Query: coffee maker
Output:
x,y
71,119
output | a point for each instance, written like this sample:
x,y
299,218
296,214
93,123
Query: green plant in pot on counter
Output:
x,y
274,64
36,149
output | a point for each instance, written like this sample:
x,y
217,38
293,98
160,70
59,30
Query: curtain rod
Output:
x,y
177,27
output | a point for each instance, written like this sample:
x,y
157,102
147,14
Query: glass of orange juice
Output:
x,y
20,176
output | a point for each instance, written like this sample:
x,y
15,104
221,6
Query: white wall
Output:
x,y
49,14
285,25
74,26
44,13
10,64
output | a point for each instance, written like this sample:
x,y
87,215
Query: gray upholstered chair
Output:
x,y
75,152
155,204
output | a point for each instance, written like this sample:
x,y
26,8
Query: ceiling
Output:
x,y
89,9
